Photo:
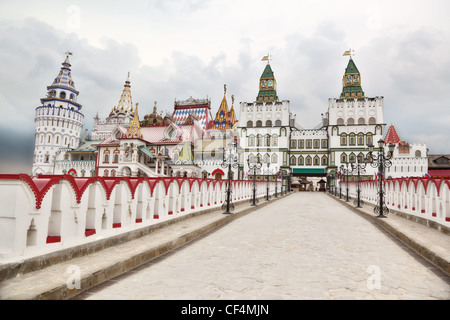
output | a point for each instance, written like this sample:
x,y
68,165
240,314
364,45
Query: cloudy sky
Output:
x,y
175,49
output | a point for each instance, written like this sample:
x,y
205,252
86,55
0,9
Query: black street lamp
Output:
x,y
230,159
330,179
381,161
345,170
267,194
360,167
254,166
340,182
276,182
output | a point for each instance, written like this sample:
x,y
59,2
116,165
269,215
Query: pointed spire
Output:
x,y
135,129
221,121
232,117
64,77
125,105
267,86
351,82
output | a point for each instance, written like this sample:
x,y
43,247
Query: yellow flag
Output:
x,y
346,53
265,58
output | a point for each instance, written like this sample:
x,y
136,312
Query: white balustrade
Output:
x,y
427,198
45,214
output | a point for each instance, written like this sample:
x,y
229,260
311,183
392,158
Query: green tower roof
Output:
x,y
267,86
351,82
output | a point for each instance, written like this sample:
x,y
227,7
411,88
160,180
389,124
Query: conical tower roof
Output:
x,y
125,105
64,78
221,121
135,129
392,136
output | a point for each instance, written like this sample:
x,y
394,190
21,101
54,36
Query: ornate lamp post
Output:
x,y
345,170
267,175
360,167
381,161
330,179
276,182
254,166
339,175
230,159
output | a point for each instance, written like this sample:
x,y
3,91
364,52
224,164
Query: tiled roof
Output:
x,y
392,136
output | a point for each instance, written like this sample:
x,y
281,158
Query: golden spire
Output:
x,y
135,129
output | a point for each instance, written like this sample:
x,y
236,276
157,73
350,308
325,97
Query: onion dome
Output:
x,y
152,119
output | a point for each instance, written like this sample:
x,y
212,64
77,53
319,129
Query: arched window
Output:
x,y
274,158
113,173
267,142
324,160
418,154
293,161
275,140
369,138
308,160
352,139
249,124
350,121
372,120
266,158
360,139
340,121
278,123
251,141
106,173
301,161
352,158
343,139
259,142
106,157
361,121
251,158
316,144
116,158
62,95
316,160
268,123
343,158
258,123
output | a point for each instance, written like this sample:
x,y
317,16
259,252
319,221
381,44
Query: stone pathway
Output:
x,y
304,246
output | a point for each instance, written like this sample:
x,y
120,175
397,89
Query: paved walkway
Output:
x,y
303,246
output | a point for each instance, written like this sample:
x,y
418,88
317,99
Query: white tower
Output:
x,y
58,120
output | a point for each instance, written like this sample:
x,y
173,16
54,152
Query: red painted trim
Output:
x,y
53,239
89,232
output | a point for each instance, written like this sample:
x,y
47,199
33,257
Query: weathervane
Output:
x,y
266,58
350,53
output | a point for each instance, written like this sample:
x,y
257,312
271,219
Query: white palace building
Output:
x,y
132,172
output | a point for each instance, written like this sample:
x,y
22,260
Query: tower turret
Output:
x,y
351,82
58,120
